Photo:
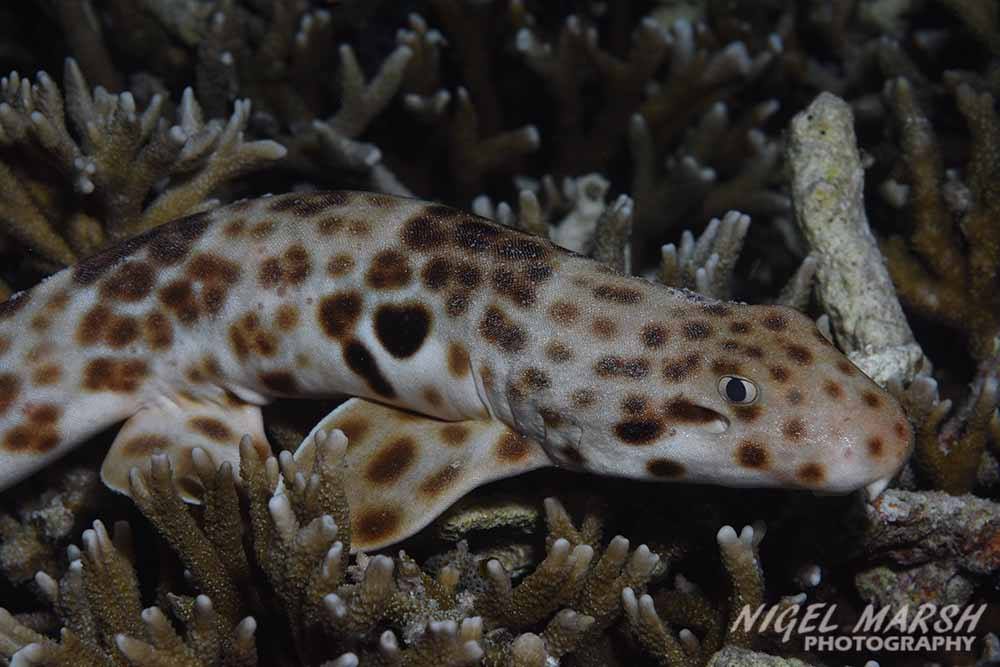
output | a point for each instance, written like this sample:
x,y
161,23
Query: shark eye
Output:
x,y
737,390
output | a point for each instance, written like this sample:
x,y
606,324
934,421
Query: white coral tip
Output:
x,y
472,651
335,605
246,629
560,548
203,605
630,603
128,104
472,627
647,608
48,585
31,655
388,644
533,136
618,546
690,641
727,536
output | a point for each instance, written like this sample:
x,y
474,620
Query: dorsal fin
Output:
x,y
177,426
404,469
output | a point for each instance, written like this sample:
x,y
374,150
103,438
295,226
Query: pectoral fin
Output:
x,y
175,427
404,469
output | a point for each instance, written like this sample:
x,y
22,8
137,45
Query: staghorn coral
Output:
x,y
569,61
948,269
603,231
366,610
104,160
265,52
99,600
575,57
950,449
45,524
574,216
213,556
273,58
471,135
577,217
740,557
706,264
472,153
269,52
699,178
566,213
641,80
711,145
361,103
460,122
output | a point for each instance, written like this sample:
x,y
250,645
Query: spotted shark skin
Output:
x,y
492,351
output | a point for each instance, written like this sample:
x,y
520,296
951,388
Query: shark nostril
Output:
x,y
682,411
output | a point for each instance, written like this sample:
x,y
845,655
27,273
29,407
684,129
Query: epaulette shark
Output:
x,y
467,352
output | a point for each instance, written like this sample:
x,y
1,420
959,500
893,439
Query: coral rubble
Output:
x,y
854,286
